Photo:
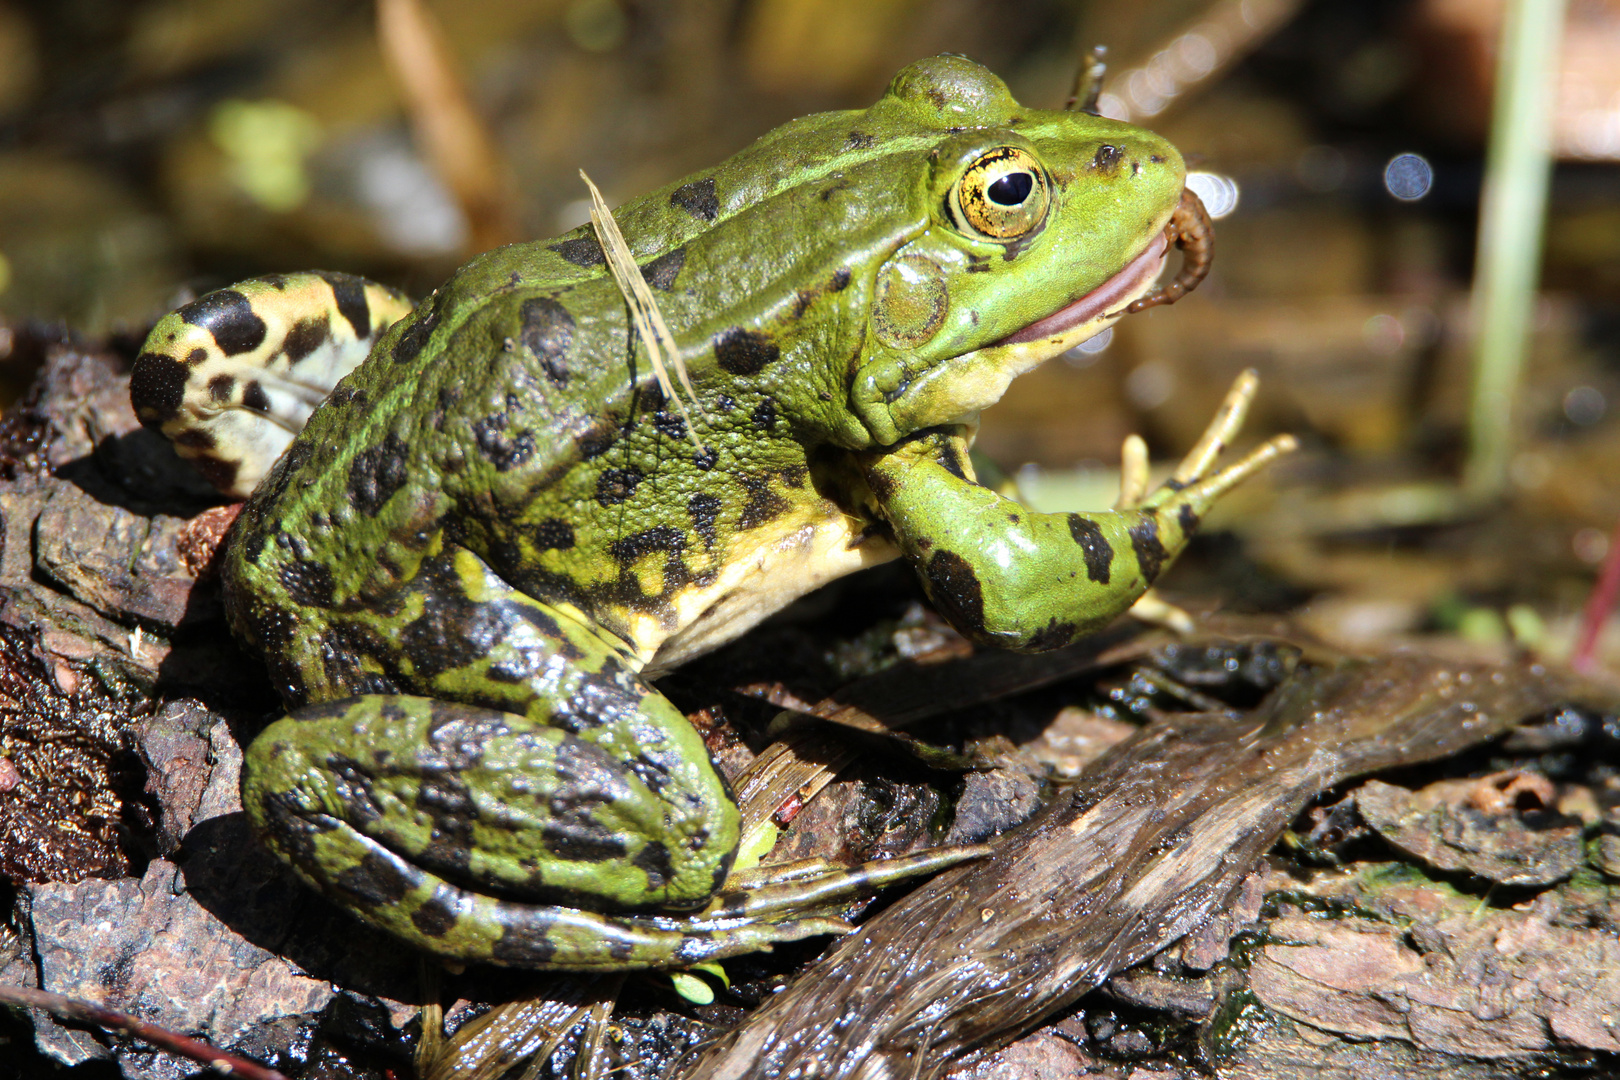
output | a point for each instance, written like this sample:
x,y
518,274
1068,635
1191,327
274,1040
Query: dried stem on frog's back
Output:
x,y
644,313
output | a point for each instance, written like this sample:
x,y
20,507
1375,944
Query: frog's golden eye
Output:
x,y
1002,196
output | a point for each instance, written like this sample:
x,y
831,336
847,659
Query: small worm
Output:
x,y
1191,231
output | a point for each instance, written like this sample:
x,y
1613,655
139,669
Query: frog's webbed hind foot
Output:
x,y
482,835
783,889
399,896
231,377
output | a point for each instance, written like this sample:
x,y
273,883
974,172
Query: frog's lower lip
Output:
x,y
1108,296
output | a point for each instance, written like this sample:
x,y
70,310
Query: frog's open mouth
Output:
x,y
1111,295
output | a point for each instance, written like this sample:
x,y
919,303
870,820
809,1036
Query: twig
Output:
x,y
451,133
87,1012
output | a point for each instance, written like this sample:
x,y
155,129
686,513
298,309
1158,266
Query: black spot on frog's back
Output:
x,y
416,335
654,860
669,425
697,198
499,444
597,439
763,504
548,333
662,271
614,486
582,251
666,538
376,473
552,534
307,583
745,352
578,841
230,318
704,510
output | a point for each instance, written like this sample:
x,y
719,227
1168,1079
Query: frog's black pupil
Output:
x,y
1012,189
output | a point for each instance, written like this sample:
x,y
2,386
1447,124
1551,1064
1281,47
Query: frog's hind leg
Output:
x,y
400,835
397,836
231,377
522,780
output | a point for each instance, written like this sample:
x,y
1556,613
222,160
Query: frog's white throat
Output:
x,y
976,380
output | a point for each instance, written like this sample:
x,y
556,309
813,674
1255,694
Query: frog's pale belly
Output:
x,y
766,569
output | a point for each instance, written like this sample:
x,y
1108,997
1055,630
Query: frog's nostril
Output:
x,y
1107,156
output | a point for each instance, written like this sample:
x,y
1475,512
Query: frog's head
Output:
x,y
1039,228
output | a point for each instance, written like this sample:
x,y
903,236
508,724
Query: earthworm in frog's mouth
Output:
x,y
1189,229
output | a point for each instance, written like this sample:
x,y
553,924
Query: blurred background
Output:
x,y
154,149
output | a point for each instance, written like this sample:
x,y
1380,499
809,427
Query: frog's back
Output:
x,y
514,412
515,406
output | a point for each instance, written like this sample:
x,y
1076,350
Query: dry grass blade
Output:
x,y
592,1060
649,321
787,775
451,133
490,1045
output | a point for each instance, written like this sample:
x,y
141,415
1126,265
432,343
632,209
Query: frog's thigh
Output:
x,y
541,767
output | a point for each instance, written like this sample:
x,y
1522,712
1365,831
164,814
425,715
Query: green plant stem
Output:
x,y
1512,209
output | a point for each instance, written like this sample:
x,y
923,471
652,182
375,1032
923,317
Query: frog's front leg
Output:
x,y
1006,575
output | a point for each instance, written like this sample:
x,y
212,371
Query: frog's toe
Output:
x,y
1222,429
1193,487
796,888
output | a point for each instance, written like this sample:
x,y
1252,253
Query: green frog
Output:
x,y
464,564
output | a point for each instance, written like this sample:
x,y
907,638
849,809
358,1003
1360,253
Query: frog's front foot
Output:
x,y
1133,483
1005,575
1193,484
